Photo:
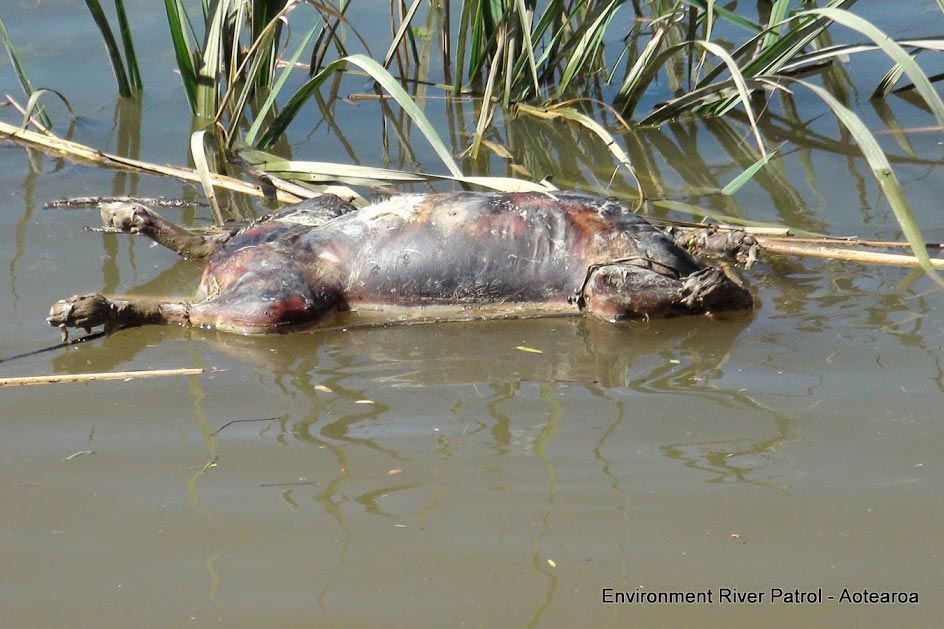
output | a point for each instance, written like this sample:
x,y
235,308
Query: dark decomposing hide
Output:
x,y
452,255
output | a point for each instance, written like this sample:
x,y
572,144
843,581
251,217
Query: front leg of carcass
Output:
x,y
620,291
92,310
82,311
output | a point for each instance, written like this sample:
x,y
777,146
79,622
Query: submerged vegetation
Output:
x,y
250,67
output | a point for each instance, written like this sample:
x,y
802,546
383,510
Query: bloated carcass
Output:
x,y
461,254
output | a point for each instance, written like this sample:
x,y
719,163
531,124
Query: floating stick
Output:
x,y
88,377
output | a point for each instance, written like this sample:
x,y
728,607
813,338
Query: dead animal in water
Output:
x,y
467,254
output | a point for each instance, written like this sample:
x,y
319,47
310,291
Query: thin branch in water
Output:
x,y
240,421
87,202
88,377
839,253
301,482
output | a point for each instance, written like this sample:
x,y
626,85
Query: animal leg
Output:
x,y
93,310
264,289
134,218
727,244
625,291
245,310
252,314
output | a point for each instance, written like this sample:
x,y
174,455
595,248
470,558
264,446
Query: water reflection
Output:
x,y
29,206
351,390
757,461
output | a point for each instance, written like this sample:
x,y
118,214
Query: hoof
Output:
x,y
710,290
130,218
81,311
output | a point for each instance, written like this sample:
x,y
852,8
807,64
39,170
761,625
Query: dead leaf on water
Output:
x,y
530,350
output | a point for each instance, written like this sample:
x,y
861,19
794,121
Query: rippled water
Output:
x,y
438,475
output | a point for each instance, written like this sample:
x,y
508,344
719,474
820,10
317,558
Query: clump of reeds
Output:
x,y
538,58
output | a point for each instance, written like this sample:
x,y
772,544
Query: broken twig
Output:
x,y
88,377
239,421
88,202
784,246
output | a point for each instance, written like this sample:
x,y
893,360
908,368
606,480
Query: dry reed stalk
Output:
x,y
88,377
74,150
783,246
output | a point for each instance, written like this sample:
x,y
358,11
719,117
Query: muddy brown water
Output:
x,y
439,475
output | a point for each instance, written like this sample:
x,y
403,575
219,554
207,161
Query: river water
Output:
x,y
439,475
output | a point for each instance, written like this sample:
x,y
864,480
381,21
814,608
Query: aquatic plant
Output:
x,y
559,59
124,66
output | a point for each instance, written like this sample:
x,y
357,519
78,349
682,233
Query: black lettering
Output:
x,y
881,598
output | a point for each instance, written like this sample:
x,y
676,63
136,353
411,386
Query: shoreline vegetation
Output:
x,y
584,64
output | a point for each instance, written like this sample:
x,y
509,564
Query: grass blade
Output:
x,y
726,14
643,71
777,13
322,172
21,73
198,152
882,170
277,127
131,59
327,172
771,59
179,27
725,219
111,46
740,83
738,182
211,62
891,48
568,113
587,44
487,106
404,27
276,88
526,40
32,105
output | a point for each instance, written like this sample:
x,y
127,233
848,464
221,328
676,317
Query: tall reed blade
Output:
x,y
21,74
893,50
131,59
391,85
111,46
882,170
269,102
178,22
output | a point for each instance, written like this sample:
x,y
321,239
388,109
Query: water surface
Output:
x,y
437,475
